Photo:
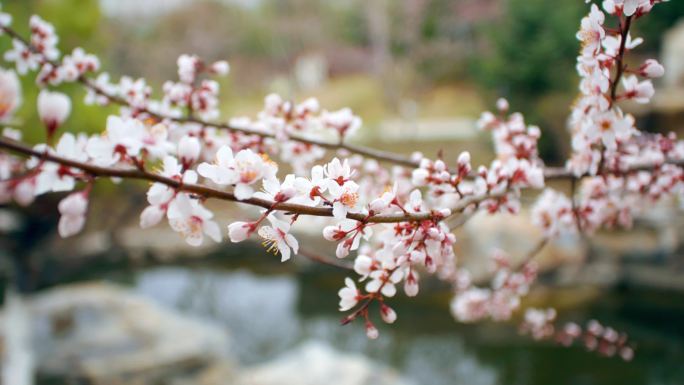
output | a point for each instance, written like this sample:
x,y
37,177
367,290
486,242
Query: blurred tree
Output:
x,y
77,22
531,55
532,49
660,20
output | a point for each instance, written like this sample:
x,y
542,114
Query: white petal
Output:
x,y
284,251
389,290
292,241
243,191
212,229
339,210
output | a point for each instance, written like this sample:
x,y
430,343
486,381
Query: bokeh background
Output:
x,y
122,305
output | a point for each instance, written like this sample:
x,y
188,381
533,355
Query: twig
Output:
x,y
323,260
207,192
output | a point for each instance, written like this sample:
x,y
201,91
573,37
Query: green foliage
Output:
x,y
662,18
533,49
76,22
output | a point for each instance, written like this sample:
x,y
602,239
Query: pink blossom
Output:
x,y
53,108
349,295
73,209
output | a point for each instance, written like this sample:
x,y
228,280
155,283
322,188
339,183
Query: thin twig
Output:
x,y
316,257
207,192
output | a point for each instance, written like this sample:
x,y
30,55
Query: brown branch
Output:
x,y
385,156
316,257
619,63
207,192
364,151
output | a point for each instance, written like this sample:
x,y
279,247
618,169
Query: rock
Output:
x,y
17,358
160,241
261,309
315,363
107,335
673,60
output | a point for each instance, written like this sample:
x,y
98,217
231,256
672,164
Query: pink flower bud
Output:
x,y
464,158
188,150
10,93
387,313
627,353
73,209
25,192
343,249
371,331
220,67
53,109
652,69
239,231
411,284
502,105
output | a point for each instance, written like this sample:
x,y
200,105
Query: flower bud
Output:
x,y
371,331
652,69
239,231
53,109
188,150
10,93
363,264
73,209
25,192
411,284
464,158
627,353
387,313
343,249
502,105
220,67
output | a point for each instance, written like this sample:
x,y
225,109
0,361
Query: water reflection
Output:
x,y
273,315
262,315
259,312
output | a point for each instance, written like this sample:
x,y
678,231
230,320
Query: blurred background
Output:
x,y
121,305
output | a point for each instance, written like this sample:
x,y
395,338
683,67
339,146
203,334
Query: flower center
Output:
x,y
349,199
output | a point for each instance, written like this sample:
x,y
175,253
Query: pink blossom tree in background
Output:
x,y
393,214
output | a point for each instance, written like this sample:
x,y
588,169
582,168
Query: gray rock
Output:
x,y
315,363
108,334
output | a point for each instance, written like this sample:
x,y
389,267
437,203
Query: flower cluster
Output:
x,y
498,302
607,146
599,127
595,337
392,221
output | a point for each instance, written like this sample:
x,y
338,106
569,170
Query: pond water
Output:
x,y
270,313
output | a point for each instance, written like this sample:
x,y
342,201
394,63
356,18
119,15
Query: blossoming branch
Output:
x,y
390,211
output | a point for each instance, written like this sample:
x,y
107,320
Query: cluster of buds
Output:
x,y
599,127
595,337
392,221
604,340
512,137
198,97
501,299
539,323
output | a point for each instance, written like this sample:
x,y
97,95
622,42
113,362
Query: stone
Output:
x,y
315,363
107,334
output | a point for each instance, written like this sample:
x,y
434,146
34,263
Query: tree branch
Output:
x,y
207,192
